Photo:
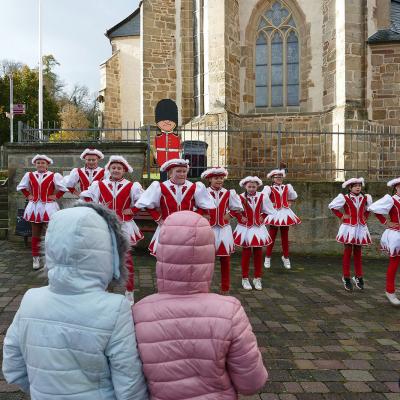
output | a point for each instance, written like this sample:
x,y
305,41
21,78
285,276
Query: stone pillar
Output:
x,y
186,105
329,53
221,56
112,101
159,54
232,56
355,59
214,57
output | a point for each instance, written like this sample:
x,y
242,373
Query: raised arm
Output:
x,y
382,207
202,197
336,204
24,186
59,185
92,194
292,194
150,200
71,180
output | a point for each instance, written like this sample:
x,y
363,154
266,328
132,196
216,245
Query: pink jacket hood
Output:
x,y
185,254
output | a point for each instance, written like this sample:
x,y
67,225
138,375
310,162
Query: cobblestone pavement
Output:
x,y
318,341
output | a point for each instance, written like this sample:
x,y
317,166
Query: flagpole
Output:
x,y
40,74
11,108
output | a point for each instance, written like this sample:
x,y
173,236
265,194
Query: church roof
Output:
x,y
391,34
130,26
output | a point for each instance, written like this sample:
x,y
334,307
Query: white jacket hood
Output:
x,y
85,249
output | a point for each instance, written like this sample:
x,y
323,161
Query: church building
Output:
x,y
312,64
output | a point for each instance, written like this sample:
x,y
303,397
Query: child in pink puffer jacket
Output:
x,y
194,344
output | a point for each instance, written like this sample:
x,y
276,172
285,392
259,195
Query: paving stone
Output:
x,y
305,364
329,364
385,375
357,364
327,376
314,387
293,387
318,342
357,375
358,387
393,386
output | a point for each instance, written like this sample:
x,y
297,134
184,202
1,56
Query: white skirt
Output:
x,y
354,234
254,236
40,212
224,243
131,229
390,242
283,217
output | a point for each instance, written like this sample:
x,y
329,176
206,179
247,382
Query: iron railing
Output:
x,y
307,155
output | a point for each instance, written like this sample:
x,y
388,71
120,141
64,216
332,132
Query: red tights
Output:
x,y
356,250
225,273
273,231
37,231
257,255
391,274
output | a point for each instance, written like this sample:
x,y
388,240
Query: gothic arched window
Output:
x,y
277,58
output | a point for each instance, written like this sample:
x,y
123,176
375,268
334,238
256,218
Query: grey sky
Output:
x,y
73,31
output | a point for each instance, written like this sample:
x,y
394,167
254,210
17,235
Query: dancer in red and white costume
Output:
x,y
162,199
251,233
353,231
228,205
120,195
85,176
282,196
42,188
390,241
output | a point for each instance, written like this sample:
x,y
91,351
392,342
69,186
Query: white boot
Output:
x,y
36,263
246,284
393,299
257,283
267,263
130,296
286,262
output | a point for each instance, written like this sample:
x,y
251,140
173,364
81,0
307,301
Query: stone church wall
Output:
x,y
111,93
159,54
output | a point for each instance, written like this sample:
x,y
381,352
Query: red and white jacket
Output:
x,y
390,206
280,195
84,176
116,195
355,206
41,185
226,202
255,209
162,199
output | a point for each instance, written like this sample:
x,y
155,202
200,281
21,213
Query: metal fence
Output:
x,y
311,156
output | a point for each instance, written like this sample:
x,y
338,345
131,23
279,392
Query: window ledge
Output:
x,y
277,110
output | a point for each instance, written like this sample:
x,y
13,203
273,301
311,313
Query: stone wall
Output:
x,y
65,157
159,54
385,83
111,93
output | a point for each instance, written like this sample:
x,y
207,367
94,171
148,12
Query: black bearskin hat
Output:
x,y
166,109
